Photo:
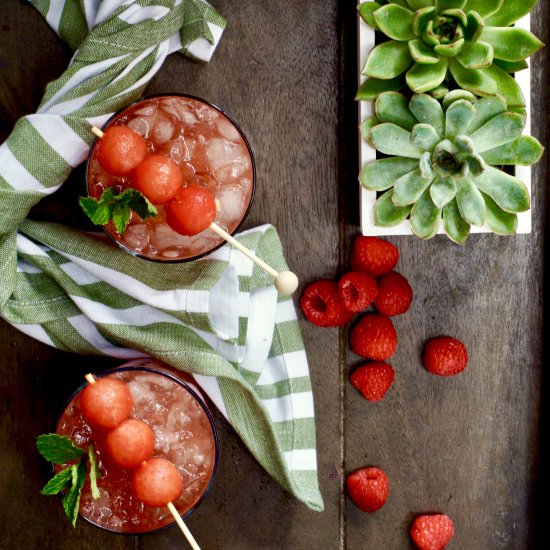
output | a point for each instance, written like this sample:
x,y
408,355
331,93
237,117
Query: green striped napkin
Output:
x,y
219,318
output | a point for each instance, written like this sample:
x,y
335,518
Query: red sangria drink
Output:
x,y
179,431
169,147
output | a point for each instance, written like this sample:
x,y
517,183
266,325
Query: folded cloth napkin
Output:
x,y
219,318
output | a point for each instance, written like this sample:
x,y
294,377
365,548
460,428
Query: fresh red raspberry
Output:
x,y
445,356
322,306
374,337
373,380
394,294
432,532
368,488
373,256
357,290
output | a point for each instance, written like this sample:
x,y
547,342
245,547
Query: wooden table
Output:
x,y
468,446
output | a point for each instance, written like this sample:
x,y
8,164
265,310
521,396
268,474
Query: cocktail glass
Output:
x,y
212,152
184,433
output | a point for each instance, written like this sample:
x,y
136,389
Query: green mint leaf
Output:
x,y
58,482
118,208
71,499
121,216
98,211
94,472
109,195
58,448
139,203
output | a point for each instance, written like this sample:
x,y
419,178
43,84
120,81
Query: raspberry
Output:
x,y
394,294
357,290
373,256
368,488
445,356
373,380
374,337
322,306
432,532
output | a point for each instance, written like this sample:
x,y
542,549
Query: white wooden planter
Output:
x,y
368,154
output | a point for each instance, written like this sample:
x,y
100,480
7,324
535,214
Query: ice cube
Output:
x,y
222,152
177,419
232,200
148,110
181,109
231,173
204,241
170,105
205,113
162,439
165,237
195,149
164,129
227,130
136,236
141,394
171,253
205,180
178,150
155,381
142,125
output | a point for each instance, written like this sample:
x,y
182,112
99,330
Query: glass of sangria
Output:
x,y
184,433
210,151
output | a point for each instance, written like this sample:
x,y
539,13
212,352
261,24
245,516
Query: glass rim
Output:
x,y
252,161
203,405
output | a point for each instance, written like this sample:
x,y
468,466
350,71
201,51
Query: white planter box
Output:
x,y
368,154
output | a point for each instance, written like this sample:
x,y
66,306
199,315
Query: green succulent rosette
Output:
x,y
444,163
434,44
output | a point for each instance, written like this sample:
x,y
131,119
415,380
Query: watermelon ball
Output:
x,y
157,482
120,150
191,211
130,443
106,403
158,178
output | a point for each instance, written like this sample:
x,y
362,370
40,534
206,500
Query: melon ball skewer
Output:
x,y
193,209
157,482
286,282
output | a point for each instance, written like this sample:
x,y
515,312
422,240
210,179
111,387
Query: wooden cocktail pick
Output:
x,y
286,282
184,529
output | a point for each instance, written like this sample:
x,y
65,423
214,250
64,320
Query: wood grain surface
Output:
x,y
468,446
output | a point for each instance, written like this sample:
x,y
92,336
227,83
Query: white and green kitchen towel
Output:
x,y
219,318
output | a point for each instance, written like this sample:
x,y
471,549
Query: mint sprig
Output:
x,y
58,482
71,499
94,472
118,208
59,449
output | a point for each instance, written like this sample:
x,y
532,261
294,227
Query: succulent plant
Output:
x,y
444,163
438,43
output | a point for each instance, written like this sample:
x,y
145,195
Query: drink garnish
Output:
x,y
94,472
117,207
59,449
